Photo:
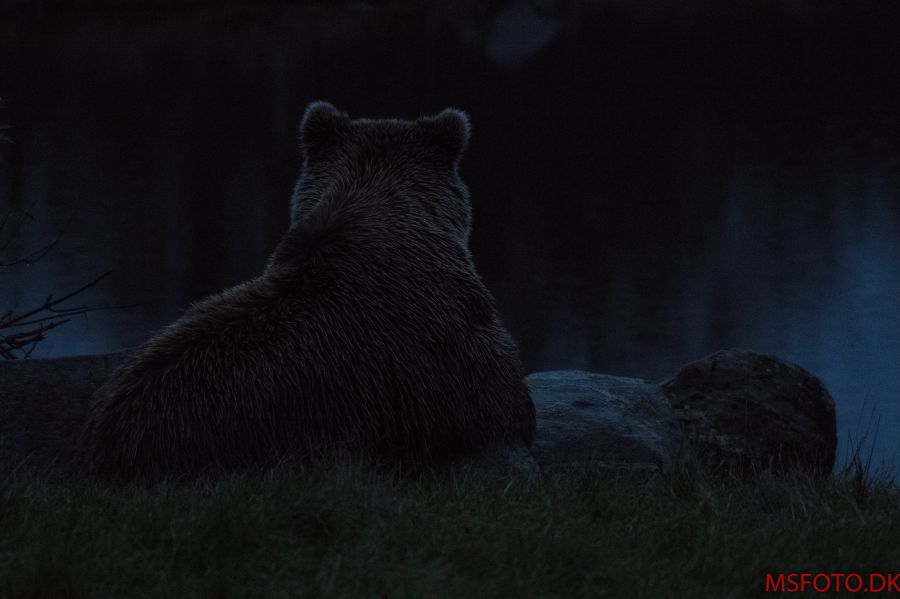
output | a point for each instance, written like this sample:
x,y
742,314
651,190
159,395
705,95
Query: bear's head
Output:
x,y
414,161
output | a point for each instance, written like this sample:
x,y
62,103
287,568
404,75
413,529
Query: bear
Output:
x,y
369,330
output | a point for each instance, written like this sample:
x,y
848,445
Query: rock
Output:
x,y
601,421
43,405
750,412
733,408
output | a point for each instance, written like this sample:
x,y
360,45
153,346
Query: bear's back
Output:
x,y
369,330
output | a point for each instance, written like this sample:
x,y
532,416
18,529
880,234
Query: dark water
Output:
x,y
649,184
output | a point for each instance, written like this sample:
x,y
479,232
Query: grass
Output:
x,y
352,532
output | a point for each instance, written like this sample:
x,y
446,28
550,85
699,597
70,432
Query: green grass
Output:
x,y
353,533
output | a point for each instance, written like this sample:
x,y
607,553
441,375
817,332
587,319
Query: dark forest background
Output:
x,y
651,181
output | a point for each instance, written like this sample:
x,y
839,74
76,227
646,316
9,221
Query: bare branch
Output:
x,y
31,258
20,333
50,303
21,343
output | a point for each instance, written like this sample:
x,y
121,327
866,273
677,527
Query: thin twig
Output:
x,y
23,342
35,255
31,258
50,303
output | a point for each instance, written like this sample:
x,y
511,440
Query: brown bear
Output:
x,y
368,331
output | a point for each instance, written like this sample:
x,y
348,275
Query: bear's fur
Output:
x,y
369,330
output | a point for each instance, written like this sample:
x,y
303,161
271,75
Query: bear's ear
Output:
x,y
448,132
323,127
